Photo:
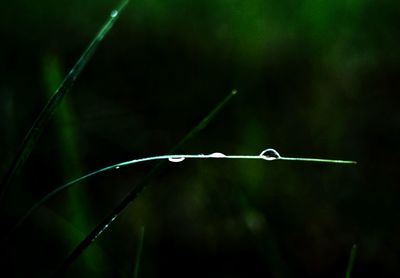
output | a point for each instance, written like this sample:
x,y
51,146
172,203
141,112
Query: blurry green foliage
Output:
x,y
316,78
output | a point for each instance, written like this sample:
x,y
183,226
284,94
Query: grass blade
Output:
x,y
139,253
71,165
131,196
351,261
196,129
268,155
45,115
204,122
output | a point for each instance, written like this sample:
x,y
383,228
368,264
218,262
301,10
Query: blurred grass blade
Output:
x,y
195,130
351,261
38,126
204,122
139,253
131,196
71,163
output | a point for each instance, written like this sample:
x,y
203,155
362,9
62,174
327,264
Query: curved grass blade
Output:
x,y
171,158
131,196
38,126
268,155
195,130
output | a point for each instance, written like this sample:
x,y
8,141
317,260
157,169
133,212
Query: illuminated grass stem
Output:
x,y
268,155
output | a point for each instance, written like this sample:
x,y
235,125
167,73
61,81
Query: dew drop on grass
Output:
x,y
270,154
116,168
216,155
176,159
114,13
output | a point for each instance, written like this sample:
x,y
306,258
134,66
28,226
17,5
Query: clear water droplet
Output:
x,y
116,168
270,154
216,155
114,13
176,159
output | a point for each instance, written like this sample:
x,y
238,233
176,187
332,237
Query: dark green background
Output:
x,y
314,78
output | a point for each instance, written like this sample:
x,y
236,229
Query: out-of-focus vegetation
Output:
x,y
315,79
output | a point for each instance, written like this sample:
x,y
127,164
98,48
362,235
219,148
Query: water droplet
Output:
x,y
217,155
114,13
270,154
176,159
116,168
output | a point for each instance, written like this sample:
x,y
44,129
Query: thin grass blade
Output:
x,y
139,253
132,195
172,158
352,258
45,115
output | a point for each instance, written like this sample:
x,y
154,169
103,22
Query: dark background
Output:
x,y
314,78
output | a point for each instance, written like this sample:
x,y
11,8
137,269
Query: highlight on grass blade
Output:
x,y
45,115
136,190
266,155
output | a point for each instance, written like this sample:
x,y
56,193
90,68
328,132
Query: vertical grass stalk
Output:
x,y
139,253
68,142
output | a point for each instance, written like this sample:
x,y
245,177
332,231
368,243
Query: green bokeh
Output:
x,y
314,79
